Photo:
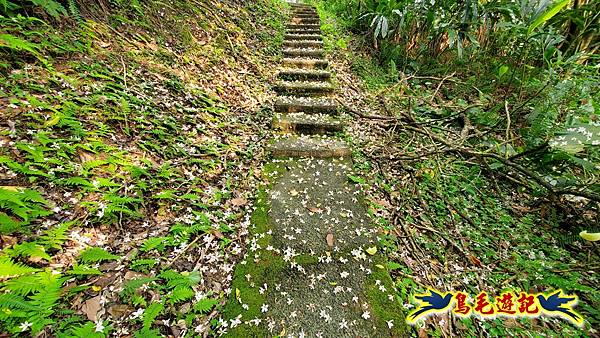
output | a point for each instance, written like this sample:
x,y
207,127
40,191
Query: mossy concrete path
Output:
x,y
312,267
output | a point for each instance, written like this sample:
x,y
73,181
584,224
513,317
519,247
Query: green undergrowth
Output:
x,y
456,224
265,270
125,161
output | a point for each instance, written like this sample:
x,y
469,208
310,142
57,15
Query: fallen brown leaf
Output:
x,y
91,307
329,239
238,202
315,210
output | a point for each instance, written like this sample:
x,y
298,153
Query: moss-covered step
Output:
x,y
303,123
308,146
312,268
310,14
298,20
303,44
291,74
303,31
314,26
304,87
296,37
305,63
307,52
319,105
303,8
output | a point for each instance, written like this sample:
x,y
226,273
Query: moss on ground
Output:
x,y
382,306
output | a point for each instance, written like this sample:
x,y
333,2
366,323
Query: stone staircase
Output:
x,y
304,106
311,269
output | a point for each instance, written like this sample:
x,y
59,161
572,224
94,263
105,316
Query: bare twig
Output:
x,y
439,86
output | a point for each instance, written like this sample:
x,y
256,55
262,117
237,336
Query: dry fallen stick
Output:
x,y
439,86
410,124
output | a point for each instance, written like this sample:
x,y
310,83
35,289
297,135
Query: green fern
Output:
x,y
74,11
23,285
175,279
143,264
130,287
152,243
9,269
53,238
96,254
45,300
180,294
205,305
26,205
12,42
53,8
87,330
76,182
151,312
28,249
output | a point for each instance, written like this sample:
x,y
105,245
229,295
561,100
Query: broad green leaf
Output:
x,y
547,15
502,70
592,237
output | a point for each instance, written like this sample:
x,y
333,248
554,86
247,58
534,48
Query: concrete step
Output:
x,y
306,15
305,63
307,123
297,7
303,44
319,105
296,37
302,26
291,74
297,20
305,12
309,146
307,52
304,88
304,31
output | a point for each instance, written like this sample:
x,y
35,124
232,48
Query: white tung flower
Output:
x,y
264,308
25,326
99,326
366,315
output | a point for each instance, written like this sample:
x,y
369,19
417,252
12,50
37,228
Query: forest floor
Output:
x,y
132,160
448,221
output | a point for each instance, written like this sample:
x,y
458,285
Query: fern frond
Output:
x,y
29,249
83,270
151,312
10,269
96,254
76,182
14,302
46,300
154,243
23,285
52,7
180,294
53,238
205,305
175,279
74,11
130,287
